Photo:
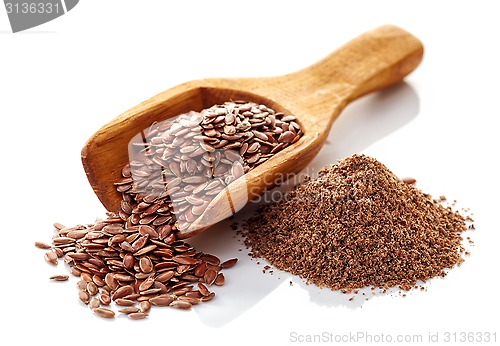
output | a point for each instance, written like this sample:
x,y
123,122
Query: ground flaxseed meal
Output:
x,y
358,225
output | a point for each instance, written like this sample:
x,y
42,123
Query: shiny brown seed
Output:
x,y
128,261
220,279
409,180
59,252
180,304
79,256
122,292
84,296
229,263
211,259
42,245
105,299
111,281
124,302
146,264
59,277
163,300
191,300
137,315
208,297
94,303
203,289
165,276
86,277
59,226
129,310
51,257
82,285
104,312
92,288
146,284
185,260
210,276
145,306
75,271
123,277
77,234
98,281
200,269
145,249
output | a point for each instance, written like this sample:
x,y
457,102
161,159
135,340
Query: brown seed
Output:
x,y
163,300
145,306
62,241
79,256
229,263
105,299
122,292
92,288
123,277
211,259
146,284
129,310
146,264
77,234
59,277
409,181
219,281
51,257
165,276
84,296
191,300
98,280
203,289
128,261
75,271
145,249
42,245
104,312
200,269
185,260
94,303
82,285
111,281
59,226
180,304
194,294
86,277
137,315
208,297
210,276
59,252
124,302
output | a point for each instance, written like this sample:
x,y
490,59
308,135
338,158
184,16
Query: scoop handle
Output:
x,y
372,61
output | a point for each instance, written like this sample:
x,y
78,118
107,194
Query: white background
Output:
x,y
61,81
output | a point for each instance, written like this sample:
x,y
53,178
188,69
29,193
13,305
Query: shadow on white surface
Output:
x,y
368,120
361,124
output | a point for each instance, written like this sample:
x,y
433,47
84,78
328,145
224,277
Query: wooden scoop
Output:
x,y
315,95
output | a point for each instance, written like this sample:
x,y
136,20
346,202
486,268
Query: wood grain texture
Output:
x,y
315,95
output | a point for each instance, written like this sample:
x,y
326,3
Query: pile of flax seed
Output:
x,y
358,225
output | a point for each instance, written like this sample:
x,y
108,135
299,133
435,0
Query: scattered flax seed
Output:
x,y
59,277
410,181
357,225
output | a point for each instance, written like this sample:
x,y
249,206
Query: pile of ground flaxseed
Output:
x,y
358,225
